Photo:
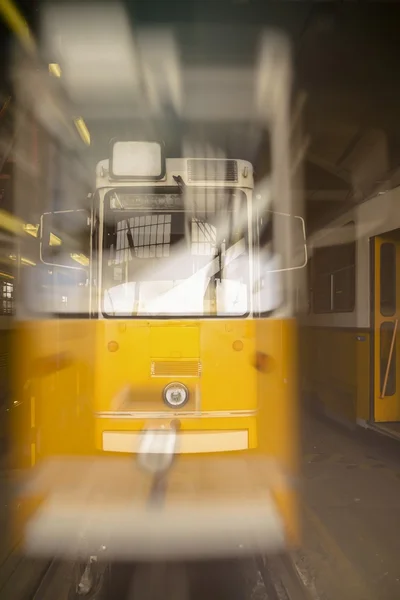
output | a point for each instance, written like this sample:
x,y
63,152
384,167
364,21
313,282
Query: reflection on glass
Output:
x,y
388,279
57,291
172,253
65,238
386,335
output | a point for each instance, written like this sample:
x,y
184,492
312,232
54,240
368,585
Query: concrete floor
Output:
x,y
351,509
351,513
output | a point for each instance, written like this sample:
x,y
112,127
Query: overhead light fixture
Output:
x,y
17,23
26,261
82,130
81,259
55,240
9,222
55,70
6,275
31,229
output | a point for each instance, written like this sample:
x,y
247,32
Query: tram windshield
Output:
x,y
175,252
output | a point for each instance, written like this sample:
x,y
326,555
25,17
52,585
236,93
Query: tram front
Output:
x,y
185,349
174,304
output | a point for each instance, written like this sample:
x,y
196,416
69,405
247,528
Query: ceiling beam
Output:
x,y
333,169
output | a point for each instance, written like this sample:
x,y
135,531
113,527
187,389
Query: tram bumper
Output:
x,y
212,507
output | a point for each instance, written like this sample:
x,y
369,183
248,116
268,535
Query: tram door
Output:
x,y
387,328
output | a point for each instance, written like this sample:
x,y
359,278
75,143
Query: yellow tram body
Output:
x,y
95,385
95,379
254,413
244,412
243,409
236,396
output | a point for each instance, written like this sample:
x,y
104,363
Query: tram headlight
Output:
x,y
138,160
175,395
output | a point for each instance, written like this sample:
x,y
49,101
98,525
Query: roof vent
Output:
x,y
200,169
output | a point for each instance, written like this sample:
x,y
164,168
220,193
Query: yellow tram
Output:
x,y
350,336
159,356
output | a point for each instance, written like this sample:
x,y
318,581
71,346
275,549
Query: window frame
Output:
x,y
7,306
392,280
315,275
167,189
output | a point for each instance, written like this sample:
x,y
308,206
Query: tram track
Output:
x,y
48,576
22,578
281,578
260,578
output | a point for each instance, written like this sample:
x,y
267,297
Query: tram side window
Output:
x,y
268,288
334,275
59,284
388,279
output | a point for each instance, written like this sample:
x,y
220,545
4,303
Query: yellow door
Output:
x,y
387,329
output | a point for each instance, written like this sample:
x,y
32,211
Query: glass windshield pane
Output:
x,y
175,253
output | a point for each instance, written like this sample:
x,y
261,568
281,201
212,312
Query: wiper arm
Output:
x,y
130,236
182,187
111,300
180,183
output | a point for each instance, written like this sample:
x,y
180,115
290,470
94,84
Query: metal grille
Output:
x,y
7,299
212,170
151,236
204,238
187,368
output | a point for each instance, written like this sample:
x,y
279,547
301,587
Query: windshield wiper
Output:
x,y
111,300
130,236
180,183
